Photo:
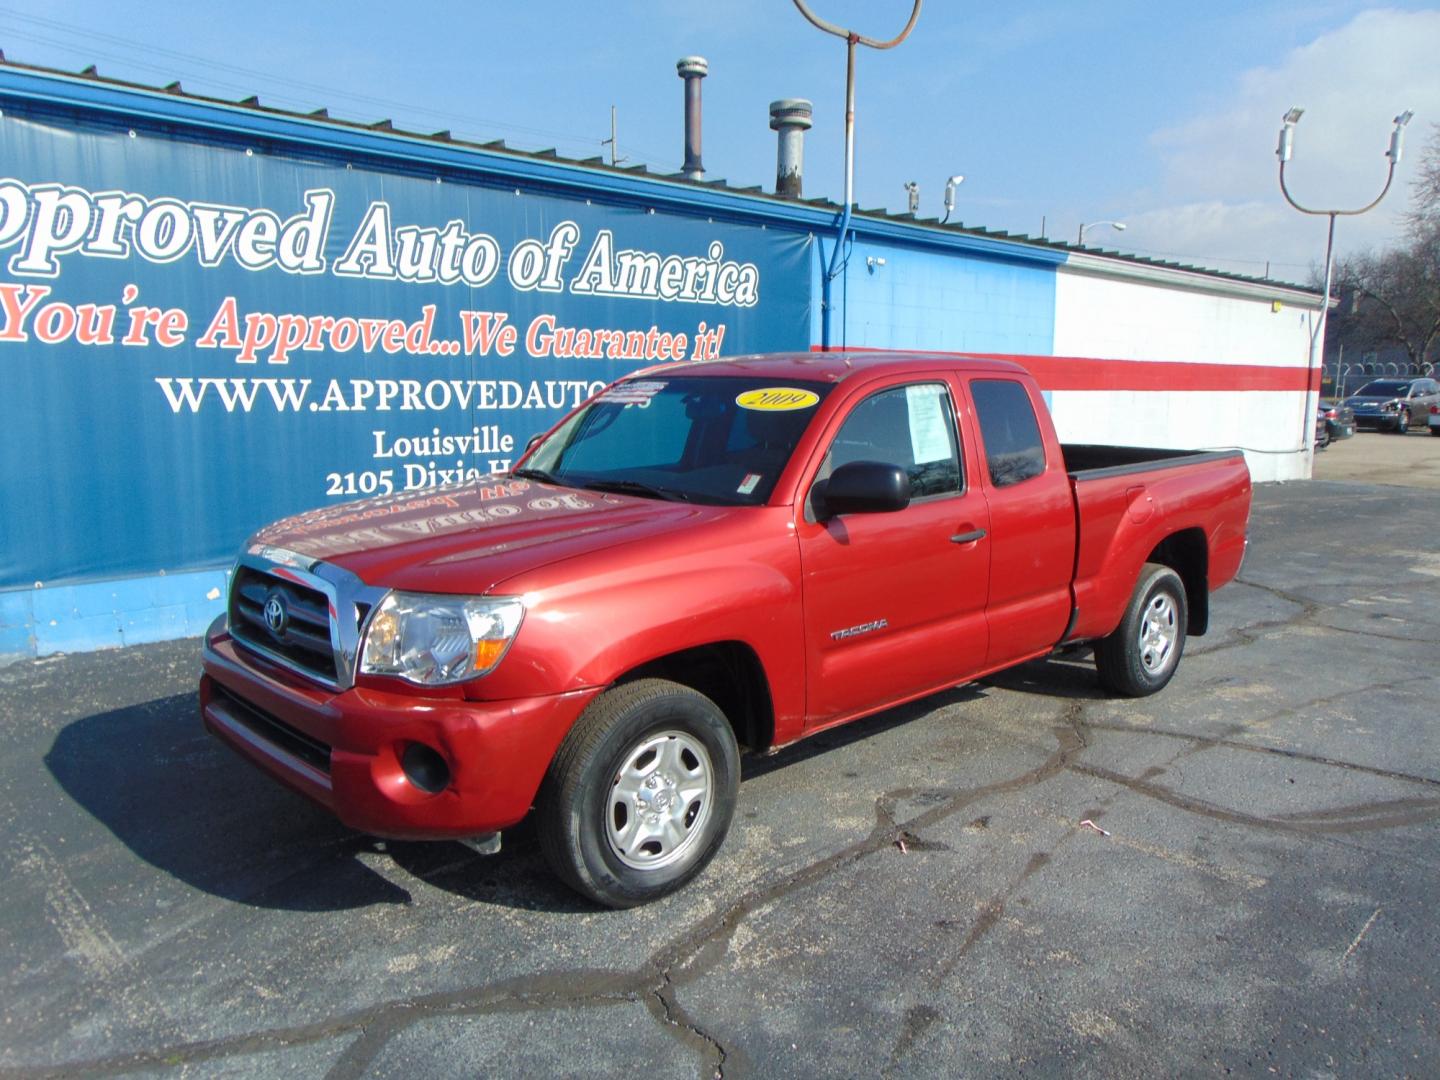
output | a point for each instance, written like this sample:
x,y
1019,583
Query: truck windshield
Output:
x,y
722,440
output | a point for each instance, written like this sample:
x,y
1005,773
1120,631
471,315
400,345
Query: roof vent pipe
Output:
x,y
791,118
692,69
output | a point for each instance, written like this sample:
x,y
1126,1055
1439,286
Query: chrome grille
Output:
x,y
301,613
304,638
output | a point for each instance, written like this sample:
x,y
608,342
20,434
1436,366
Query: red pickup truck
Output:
x,y
704,557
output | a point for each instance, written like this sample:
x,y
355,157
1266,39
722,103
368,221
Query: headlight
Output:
x,y
438,639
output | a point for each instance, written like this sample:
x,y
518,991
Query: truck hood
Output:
x,y
468,538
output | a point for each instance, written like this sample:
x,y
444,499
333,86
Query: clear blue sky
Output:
x,y
1161,115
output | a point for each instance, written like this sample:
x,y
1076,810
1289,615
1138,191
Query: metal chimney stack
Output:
x,y
791,118
692,69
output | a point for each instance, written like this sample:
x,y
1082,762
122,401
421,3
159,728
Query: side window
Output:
x,y
1013,448
910,426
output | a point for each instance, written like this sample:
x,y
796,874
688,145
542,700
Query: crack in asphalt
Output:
x,y
374,1024
1206,741
1309,615
1251,632
669,1011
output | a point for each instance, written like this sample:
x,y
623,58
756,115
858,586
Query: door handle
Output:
x,y
968,537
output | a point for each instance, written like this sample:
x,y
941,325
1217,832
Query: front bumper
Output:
x,y
1376,421
343,749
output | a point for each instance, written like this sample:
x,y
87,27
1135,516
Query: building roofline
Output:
x,y
48,90
1184,277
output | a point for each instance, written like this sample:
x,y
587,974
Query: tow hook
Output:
x,y
489,844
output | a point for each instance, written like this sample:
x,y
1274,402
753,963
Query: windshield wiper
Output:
x,y
537,474
635,487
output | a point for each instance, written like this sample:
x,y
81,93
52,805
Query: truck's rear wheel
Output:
x,y
640,794
1140,657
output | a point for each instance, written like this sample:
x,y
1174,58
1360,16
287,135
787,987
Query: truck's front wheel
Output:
x,y
1141,655
640,794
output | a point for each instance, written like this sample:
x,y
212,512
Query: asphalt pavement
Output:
x,y
1376,457
913,895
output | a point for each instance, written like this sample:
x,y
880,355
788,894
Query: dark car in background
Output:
x,y
1394,404
1334,420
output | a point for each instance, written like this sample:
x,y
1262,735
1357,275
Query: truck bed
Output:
x,y
1128,499
1090,461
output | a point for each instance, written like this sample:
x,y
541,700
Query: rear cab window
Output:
x,y
1014,450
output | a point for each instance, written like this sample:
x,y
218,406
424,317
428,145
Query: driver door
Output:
x,y
894,603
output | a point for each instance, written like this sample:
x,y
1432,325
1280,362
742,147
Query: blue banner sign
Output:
x,y
197,338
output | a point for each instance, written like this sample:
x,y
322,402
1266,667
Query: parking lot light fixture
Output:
x,y
1397,137
950,185
1118,226
1287,134
1317,335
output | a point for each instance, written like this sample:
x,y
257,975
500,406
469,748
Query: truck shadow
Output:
x,y
1070,675
182,803
185,805
754,766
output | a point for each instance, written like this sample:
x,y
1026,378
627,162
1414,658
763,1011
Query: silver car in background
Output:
x,y
1394,404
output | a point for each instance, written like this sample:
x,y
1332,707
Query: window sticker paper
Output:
x,y
928,438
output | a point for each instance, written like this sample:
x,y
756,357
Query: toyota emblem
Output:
x,y
276,617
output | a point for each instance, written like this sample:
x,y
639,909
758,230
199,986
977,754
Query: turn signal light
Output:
x,y
488,653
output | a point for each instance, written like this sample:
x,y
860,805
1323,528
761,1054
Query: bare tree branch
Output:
x,y
1393,297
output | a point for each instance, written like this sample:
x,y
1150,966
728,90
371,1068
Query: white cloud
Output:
x,y
1220,197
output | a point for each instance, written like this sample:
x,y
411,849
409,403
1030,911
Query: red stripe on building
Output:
x,y
1087,373
1090,373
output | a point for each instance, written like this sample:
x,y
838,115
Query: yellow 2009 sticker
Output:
x,y
777,399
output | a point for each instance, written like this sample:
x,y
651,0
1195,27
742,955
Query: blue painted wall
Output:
x,y
897,297
95,615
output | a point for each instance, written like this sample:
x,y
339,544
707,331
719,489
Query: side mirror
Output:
x,y
862,487
533,440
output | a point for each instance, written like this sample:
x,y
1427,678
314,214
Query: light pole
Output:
x,y
827,276
1317,335
1118,226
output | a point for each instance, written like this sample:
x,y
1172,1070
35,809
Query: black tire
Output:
x,y
1402,422
584,800
1128,660
1435,430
